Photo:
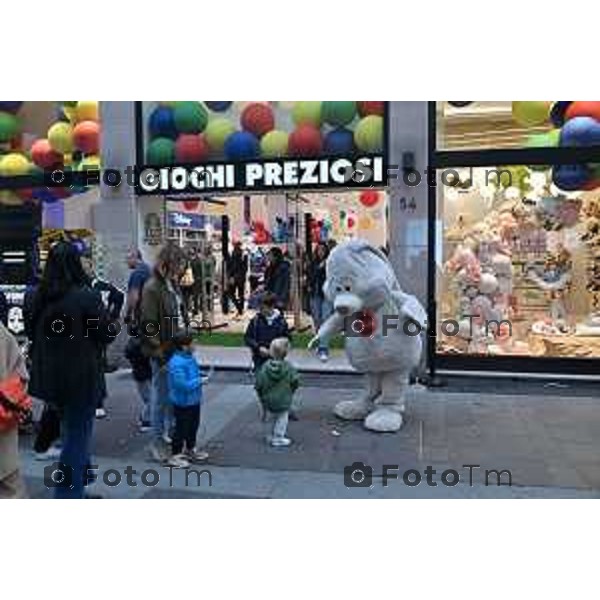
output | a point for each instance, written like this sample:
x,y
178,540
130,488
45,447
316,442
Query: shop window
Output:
x,y
518,273
463,125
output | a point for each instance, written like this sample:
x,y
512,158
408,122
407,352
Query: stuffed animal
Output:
x,y
381,324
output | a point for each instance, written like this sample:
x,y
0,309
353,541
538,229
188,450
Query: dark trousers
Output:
x,y
188,295
49,429
77,424
187,421
237,292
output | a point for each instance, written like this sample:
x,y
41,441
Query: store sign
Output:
x,y
15,298
153,231
179,220
282,174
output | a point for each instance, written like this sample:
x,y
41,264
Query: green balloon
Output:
x,y
544,140
217,132
274,144
161,151
307,113
339,113
190,117
368,134
9,126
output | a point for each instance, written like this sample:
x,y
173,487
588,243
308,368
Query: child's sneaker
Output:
x,y
145,426
323,355
280,442
167,439
53,453
179,461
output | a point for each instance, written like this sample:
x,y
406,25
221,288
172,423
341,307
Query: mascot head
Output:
x,y
359,277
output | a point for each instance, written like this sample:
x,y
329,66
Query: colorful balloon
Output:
x,y
339,141
44,156
218,106
162,123
190,117
191,148
86,137
87,110
305,140
580,108
338,113
60,137
274,144
14,165
368,134
531,113
369,198
241,145
217,132
258,119
307,113
9,126
580,131
160,151
371,108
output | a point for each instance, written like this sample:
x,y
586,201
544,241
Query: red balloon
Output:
x,y
581,108
369,198
258,119
371,108
190,204
305,140
86,137
43,156
191,148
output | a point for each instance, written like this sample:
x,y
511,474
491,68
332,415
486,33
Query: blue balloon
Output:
x,y
557,112
571,178
11,106
162,123
218,106
242,145
580,131
339,141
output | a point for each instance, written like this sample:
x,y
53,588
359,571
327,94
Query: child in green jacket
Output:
x,y
276,382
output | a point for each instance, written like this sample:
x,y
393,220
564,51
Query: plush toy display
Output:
x,y
363,289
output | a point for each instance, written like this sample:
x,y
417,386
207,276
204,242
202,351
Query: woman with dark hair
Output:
x,y
69,330
320,307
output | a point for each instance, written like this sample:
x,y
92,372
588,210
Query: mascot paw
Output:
x,y
384,420
352,410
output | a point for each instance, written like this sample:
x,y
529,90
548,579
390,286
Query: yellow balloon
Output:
x,y
89,163
70,113
13,165
87,110
60,137
531,113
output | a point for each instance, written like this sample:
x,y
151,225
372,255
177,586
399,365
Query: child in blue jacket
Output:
x,y
185,394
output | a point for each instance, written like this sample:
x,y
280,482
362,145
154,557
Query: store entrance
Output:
x,y
236,237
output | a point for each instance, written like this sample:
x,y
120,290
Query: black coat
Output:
x,y
68,369
260,333
277,281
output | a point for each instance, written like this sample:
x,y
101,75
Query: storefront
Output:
x,y
275,173
514,282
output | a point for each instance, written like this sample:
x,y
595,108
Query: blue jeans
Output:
x,y
77,423
320,309
145,391
160,416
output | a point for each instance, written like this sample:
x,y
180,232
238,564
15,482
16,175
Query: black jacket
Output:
x,y
260,333
237,266
316,278
112,297
68,368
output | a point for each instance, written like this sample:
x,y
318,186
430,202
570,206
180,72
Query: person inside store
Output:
x,y
209,270
12,363
113,299
140,363
162,303
70,330
237,270
277,277
197,289
320,307
187,282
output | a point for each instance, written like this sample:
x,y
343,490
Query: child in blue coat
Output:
x,y
185,395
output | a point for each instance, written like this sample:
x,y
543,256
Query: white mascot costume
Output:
x,y
360,279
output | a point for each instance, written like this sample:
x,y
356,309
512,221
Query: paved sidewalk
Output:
x,y
549,441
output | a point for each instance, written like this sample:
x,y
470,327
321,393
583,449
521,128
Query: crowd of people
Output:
x,y
71,316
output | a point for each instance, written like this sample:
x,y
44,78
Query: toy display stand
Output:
x,y
569,345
